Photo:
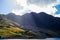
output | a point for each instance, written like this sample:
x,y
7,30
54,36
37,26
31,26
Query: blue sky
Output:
x,y
21,7
6,6
58,9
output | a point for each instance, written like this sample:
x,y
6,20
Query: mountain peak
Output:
x,y
10,14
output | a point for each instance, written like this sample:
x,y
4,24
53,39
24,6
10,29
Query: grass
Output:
x,y
7,31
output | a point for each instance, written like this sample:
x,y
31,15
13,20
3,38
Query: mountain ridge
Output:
x,y
41,18
39,22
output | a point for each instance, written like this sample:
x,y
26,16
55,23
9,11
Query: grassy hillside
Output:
x,y
8,29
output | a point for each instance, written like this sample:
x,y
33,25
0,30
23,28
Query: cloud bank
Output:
x,y
41,2
27,6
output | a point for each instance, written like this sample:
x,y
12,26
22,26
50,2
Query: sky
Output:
x,y
21,7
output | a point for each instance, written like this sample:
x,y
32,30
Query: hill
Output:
x,y
38,22
9,30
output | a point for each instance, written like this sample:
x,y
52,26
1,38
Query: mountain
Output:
x,y
38,22
43,20
9,29
26,20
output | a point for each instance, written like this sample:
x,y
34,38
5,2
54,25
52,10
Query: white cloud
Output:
x,y
47,9
26,7
21,2
41,2
58,1
57,15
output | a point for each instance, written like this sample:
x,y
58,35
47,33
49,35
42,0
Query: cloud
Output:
x,y
26,6
57,15
58,1
41,2
47,9
21,7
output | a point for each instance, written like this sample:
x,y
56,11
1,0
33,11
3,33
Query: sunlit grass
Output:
x,y
7,31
